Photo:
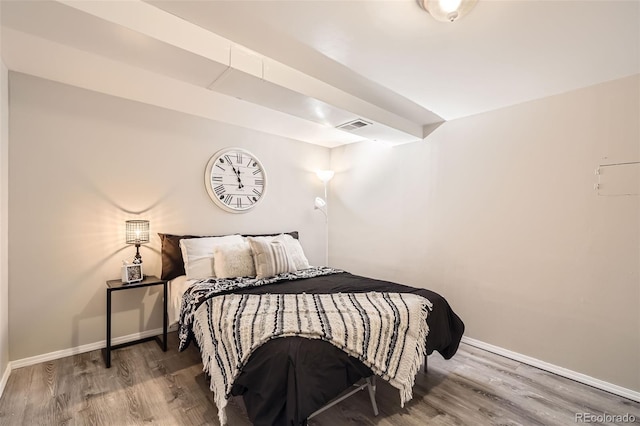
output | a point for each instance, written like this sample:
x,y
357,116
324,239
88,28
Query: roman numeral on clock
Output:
x,y
219,190
259,182
257,171
216,179
258,193
227,200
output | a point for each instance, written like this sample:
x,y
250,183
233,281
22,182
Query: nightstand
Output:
x,y
117,285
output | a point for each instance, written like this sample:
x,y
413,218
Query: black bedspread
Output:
x,y
287,379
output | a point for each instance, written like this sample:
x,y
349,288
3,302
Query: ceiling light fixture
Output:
x,y
447,10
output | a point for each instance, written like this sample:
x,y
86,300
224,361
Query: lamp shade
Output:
x,y
137,231
447,10
325,175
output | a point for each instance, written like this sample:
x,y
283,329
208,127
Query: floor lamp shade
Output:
x,y
325,175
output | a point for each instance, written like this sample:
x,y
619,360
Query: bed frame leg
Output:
x,y
369,383
371,387
426,359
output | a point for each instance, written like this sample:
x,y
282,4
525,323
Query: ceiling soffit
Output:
x,y
135,40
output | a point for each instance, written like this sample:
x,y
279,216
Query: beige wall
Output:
x,y
497,212
4,192
82,163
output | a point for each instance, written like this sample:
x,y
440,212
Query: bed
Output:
x,y
285,378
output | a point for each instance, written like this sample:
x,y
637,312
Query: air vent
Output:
x,y
353,125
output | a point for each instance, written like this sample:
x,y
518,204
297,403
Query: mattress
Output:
x,y
177,287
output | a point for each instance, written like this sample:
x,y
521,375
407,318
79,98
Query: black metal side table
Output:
x,y
117,285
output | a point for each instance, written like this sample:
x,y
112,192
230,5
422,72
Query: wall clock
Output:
x,y
235,180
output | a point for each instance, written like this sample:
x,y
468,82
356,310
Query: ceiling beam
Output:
x,y
53,61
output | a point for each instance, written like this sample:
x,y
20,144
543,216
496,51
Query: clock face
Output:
x,y
235,180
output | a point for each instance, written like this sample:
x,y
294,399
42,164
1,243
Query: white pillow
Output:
x,y
197,254
295,251
232,261
270,257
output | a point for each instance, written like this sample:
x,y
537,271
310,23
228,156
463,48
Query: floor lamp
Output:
x,y
322,205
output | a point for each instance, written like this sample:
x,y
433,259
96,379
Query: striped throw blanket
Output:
x,y
385,331
206,289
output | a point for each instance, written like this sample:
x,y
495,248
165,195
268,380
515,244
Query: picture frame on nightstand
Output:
x,y
132,273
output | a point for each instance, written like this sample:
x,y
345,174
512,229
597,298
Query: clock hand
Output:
x,y
237,172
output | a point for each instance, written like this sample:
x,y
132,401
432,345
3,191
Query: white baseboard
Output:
x,y
560,371
5,378
24,362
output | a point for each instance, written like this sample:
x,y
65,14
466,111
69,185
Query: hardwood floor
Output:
x,y
148,386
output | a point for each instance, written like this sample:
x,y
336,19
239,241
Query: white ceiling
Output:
x,y
302,67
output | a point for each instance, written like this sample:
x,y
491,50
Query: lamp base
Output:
x,y
137,259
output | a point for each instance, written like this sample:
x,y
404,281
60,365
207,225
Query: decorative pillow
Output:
x,y
197,254
270,257
295,251
171,255
230,261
